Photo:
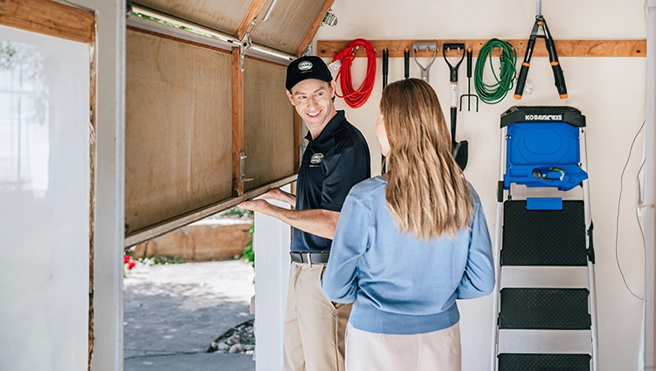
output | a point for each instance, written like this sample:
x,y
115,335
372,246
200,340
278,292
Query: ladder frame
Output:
x,y
506,194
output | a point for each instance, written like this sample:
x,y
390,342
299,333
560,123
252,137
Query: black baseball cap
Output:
x,y
308,67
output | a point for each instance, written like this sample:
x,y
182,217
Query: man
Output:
x,y
336,158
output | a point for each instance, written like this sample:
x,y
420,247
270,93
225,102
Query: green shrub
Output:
x,y
160,260
249,254
236,212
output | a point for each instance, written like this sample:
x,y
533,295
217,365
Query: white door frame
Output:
x,y
109,231
271,241
648,207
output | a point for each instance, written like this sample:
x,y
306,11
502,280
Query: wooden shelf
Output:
x,y
565,48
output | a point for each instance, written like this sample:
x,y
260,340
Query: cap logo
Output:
x,y
305,65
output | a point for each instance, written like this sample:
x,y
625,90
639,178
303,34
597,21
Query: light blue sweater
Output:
x,y
401,285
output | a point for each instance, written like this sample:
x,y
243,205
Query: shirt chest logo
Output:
x,y
316,158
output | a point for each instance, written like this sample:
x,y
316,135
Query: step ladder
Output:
x,y
544,304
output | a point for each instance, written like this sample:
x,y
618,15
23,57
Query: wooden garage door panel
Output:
x,y
288,25
268,124
220,15
178,128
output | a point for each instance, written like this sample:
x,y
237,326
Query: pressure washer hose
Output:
x,y
494,93
356,98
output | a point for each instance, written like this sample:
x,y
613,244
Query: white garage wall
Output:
x,y
44,198
609,91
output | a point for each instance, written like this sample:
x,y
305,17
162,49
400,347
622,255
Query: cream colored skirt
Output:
x,y
432,351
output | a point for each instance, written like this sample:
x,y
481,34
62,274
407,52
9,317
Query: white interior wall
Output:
x,y
44,272
609,91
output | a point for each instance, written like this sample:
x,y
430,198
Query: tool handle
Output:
x,y
523,72
406,62
383,162
521,81
560,80
385,66
453,70
454,94
454,112
470,54
555,64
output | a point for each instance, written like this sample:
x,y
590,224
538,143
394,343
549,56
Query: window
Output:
x,y
24,148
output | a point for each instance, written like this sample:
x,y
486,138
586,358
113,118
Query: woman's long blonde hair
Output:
x,y
427,192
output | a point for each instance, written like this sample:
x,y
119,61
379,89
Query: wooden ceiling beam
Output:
x,y
315,27
253,11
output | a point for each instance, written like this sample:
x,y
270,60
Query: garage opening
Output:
x,y
188,294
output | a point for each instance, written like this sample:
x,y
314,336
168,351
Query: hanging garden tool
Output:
x,y
460,150
540,22
383,162
356,97
427,45
469,95
504,75
406,62
385,66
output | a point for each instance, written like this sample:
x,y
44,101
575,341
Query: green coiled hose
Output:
x,y
494,93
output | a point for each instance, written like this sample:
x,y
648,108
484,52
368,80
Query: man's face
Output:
x,y
313,102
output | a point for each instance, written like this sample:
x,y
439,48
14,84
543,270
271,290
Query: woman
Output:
x,y
409,243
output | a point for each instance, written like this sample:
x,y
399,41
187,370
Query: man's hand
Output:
x,y
277,194
319,222
255,205
272,194
260,204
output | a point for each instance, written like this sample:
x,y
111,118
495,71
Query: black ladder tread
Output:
x,y
544,237
543,362
544,309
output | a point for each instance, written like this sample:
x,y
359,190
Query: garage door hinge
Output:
x,y
330,19
244,45
242,161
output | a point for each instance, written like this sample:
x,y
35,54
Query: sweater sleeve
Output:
x,y
478,279
351,240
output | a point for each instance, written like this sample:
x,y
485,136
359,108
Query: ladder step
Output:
x,y
544,341
544,237
544,362
547,309
544,277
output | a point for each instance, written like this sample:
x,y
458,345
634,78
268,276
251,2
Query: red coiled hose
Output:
x,y
356,98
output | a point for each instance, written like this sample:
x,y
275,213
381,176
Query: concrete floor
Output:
x,y
192,362
173,313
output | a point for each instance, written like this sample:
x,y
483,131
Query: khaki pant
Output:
x,y
432,351
314,326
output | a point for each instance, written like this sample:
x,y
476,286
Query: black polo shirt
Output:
x,y
332,163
